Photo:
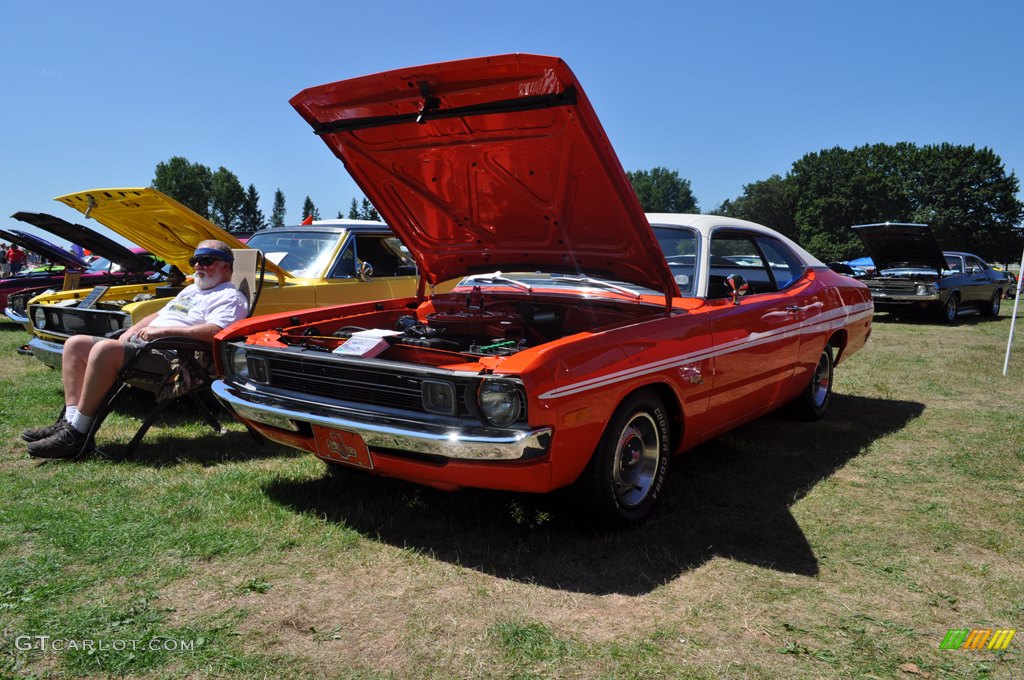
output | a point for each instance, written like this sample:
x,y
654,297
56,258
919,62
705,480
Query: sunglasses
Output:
x,y
204,260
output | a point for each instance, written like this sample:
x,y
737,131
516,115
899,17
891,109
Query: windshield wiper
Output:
x,y
496,277
600,283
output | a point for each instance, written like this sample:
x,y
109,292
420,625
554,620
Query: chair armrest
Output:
x,y
180,343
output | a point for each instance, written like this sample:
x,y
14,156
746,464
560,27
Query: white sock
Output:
x,y
82,422
70,412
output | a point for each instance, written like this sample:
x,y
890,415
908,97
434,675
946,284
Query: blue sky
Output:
x,y
727,93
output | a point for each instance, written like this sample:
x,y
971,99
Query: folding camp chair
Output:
x,y
175,367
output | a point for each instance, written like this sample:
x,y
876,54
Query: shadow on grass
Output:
x,y
730,498
969,317
161,449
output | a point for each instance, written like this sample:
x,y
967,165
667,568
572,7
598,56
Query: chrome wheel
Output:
x,y
992,308
813,400
635,466
625,474
821,385
951,309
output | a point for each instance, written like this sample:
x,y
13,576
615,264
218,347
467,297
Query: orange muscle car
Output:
x,y
586,343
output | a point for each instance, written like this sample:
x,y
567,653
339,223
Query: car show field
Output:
x,y
524,429
847,547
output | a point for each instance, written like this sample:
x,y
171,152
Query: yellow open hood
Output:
x,y
155,222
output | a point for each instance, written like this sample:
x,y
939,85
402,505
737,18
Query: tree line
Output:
x,y
963,193
219,197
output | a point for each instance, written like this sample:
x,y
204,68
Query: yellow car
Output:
x,y
326,263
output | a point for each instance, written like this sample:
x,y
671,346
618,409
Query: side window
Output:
x,y
345,267
383,253
786,267
737,253
975,266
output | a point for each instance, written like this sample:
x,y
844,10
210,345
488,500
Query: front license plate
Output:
x,y
342,447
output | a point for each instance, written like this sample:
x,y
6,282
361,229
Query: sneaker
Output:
x,y
34,434
66,442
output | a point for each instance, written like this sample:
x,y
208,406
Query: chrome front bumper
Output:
x,y
384,431
49,352
15,317
904,297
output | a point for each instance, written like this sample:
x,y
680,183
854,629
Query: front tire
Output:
x,y
991,308
624,477
813,401
951,310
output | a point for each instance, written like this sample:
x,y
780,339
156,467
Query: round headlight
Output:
x,y
501,402
236,362
39,318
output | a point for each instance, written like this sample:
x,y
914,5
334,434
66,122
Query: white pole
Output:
x,y
1013,320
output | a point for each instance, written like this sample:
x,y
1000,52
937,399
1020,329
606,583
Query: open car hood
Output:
x,y
893,245
89,239
44,248
495,163
154,221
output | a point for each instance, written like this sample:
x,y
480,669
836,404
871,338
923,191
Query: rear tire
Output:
x,y
813,401
991,307
622,481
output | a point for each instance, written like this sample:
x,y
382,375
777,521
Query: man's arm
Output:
x,y
204,331
138,326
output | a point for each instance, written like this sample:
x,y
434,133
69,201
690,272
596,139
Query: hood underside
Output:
x,y
154,221
89,239
901,246
44,248
496,163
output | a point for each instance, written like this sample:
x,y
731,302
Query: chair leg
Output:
x,y
146,424
101,415
257,437
199,399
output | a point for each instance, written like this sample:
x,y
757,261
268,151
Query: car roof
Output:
x,y
708,223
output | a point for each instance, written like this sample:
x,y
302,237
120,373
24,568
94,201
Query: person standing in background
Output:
x,y
15,258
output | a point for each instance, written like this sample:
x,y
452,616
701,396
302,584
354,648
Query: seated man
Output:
x,y
91,365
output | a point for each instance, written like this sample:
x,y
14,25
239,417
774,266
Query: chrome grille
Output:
x,y
894,286
363,385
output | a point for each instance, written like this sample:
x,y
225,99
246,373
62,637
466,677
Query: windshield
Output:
x,y
954,264
302,253
678,245
100,264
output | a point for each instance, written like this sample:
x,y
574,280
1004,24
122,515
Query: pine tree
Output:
x,y
309,210
251,218
277,216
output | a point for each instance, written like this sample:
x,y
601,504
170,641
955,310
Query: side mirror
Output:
x,y
364,271
737,286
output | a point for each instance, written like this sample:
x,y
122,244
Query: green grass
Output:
x,y
844,548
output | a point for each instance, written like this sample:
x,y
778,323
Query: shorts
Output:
x,y
155,361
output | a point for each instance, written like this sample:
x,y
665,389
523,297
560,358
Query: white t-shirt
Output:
x,y
221,305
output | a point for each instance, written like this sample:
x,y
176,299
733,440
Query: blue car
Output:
x,y
913,275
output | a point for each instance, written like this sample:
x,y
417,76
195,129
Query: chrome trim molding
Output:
x,y
388,432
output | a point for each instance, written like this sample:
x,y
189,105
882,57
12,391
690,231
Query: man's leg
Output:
x,y
87,383
73,361
105,361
